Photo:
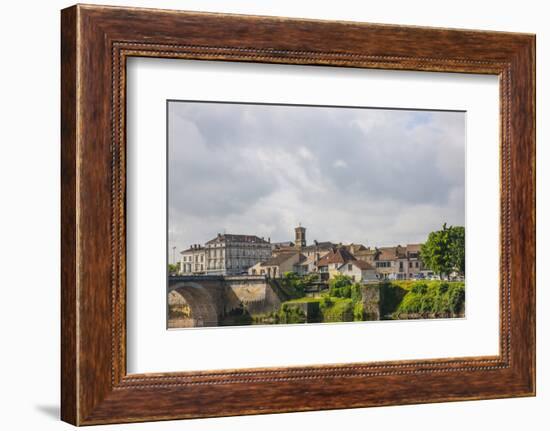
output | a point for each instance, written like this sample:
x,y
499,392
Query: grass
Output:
x,y
305,299
339,310
408,284
332,309
434,297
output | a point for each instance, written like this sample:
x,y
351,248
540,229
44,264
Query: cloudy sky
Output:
x,y
370,176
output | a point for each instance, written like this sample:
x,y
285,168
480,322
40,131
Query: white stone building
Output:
x,y
229,254
359,271
193,260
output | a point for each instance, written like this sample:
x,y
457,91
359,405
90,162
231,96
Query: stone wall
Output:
x,y
253,292
201,301
371,301
206,300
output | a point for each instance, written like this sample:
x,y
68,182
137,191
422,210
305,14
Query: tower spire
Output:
x,y
300,236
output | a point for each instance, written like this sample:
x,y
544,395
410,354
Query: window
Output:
x,y
350,267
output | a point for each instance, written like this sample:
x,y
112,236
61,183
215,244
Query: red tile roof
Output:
x,y
279,259
413,248
338,256
361,264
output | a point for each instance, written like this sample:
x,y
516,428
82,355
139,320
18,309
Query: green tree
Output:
x,y
339,286
291,314
443,252
325,302
295,283
173,268
457,238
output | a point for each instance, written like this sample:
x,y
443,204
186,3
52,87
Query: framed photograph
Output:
x,y
264,214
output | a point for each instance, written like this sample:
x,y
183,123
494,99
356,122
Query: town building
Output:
x,y
355,248
282,245
398,263
306,265
318,249
230,254
300,234
366,254
193,260
359,271
277,265
414,261
329,264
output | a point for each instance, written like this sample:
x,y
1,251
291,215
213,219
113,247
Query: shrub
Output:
x,y
443,287
345,291
457,296
326,302
356,294
341,310
391,295
358,312
291,314
435,297
419,288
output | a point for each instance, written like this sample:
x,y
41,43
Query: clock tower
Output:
x,y
300,237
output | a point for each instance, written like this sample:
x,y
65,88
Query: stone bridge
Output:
x,y
206,300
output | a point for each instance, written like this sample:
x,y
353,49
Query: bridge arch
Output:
x,y
191,304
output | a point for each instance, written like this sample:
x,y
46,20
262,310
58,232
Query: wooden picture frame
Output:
x,y
95,43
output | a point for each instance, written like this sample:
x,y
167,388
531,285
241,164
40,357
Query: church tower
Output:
x,y
300,237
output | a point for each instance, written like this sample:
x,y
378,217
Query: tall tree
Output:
x,y
443,252
457,239
173,268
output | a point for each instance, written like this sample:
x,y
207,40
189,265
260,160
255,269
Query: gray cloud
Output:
x,y
354,175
